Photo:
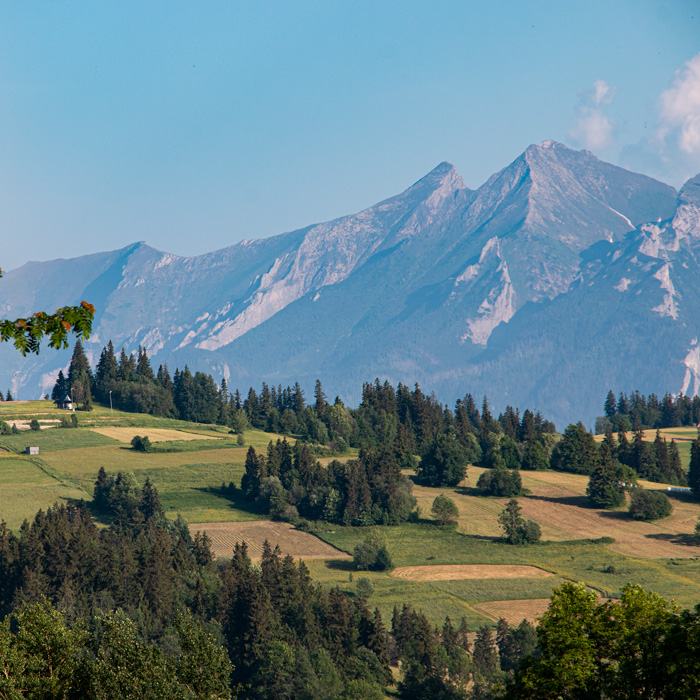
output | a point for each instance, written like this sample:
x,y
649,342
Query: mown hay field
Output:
x,y
558,502
457,572
154,434
300,545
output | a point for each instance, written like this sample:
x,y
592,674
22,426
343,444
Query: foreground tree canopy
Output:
x,y
27,333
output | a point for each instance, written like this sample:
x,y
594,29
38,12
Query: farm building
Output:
x,y
32,450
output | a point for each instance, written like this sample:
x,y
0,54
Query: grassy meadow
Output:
x,y
191,462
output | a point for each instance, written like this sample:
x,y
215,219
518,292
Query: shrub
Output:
x,y
240,440
34,424
445,510
650,505
500,482
365,588
371,555
141,444
5,428
516,529
444,462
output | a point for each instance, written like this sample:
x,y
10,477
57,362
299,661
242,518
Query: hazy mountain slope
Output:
x,y
458,289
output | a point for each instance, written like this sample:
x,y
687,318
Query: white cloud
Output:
x,y
592,128
672,151
679,117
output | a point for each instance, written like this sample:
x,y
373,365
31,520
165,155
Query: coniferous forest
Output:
x,y
139,608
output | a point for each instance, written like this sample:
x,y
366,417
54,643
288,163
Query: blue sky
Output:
x,y
194,125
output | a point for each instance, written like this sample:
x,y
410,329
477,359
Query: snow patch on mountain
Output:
x,y
692,372
499,306
623,284
668,306
622,216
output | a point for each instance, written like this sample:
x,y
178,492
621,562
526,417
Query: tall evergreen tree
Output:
x,y
106,372
610,405
80,375
163,377
60,388
144,372
694,468
604,485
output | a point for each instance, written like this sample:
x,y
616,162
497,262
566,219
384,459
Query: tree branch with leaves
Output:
x,y
27,333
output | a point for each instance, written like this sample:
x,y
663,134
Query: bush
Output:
x,y
650,505
371,555
445,510
365,588
5,428
240,440
500,482
444,462
516,529
34,424
141,444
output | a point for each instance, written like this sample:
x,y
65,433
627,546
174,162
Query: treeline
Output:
x,y
384,415
288,482
578,452
640,412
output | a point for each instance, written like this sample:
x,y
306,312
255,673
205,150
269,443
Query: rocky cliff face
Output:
x,y
521,289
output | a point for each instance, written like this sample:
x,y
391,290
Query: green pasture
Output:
x,y
189,476
188,473
51,439
26,487
421,544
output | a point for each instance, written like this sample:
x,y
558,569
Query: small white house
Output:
x,y
32,450
66,404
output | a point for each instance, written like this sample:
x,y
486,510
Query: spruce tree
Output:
x,y
604,487
144,372
694,468
610,405
60,388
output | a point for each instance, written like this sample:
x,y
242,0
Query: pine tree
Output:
x,y
676,473
60,389
151,506
80,375
321,404
163,377
144,372
127,367
604,487
694,468
485,656
610,405
106,372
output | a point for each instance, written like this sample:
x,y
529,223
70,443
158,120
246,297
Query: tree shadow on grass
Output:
x,y
341,565
681,538
235,497
469,491
616,515
579,501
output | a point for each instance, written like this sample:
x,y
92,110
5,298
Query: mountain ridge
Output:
x,y
427,285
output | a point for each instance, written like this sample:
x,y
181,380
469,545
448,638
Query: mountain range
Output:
x,y
558,279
